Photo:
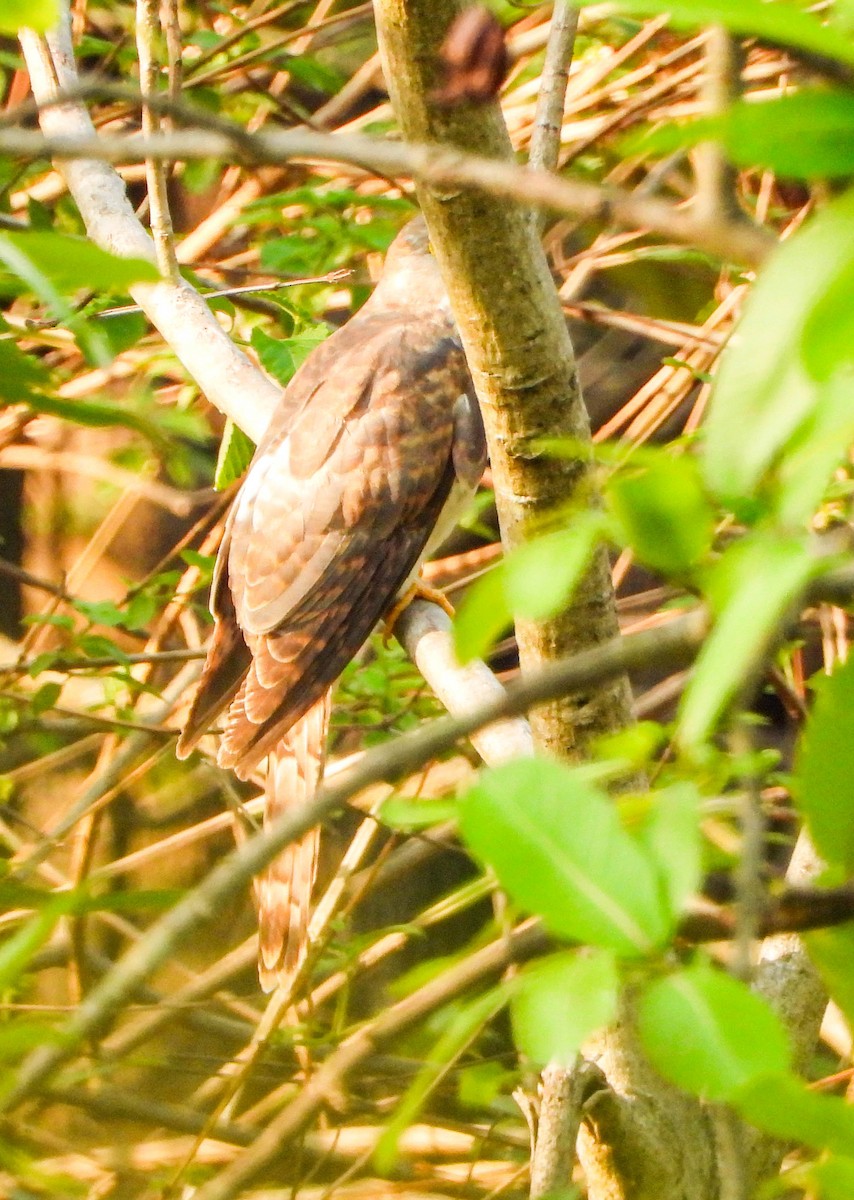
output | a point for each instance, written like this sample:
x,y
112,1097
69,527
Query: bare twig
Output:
x,y
716,177
147,35
741,242
548,120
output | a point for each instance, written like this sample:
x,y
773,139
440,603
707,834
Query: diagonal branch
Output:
x,y
226,376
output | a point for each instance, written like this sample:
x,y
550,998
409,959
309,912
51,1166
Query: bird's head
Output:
x,y
411,277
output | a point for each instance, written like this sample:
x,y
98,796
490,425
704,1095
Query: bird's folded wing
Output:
x,y
333,517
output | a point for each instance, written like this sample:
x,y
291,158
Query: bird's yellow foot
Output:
x,y
418,590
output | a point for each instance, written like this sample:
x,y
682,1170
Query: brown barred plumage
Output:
x,y
377,436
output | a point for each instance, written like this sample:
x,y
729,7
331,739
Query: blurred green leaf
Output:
x,y
826,343
401,813
832,1179
101,612
40,15
815,451
671,834
140,610
22,376
832,951
283,356
558,1002
19,264
773,380
662,512
824,771
74,264
782,1105
17,950
480,1084
96,414
314,74
557,847
805,135
776,21
535,580
294,256
235,455
18,1037
123,330
45,698
709,1033
751,587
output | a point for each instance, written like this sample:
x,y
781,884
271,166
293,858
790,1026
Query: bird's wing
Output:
x,y
335,513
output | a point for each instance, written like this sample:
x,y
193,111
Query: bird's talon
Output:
x,y
419,590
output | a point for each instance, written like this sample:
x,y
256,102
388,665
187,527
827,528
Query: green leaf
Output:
x,y
558,1002
782,1105
73,264
479,1085
824,775
104,415
832,1179
535,580
832,951
815,451
663,513
235,455
283,356
140,610
46,697
709,1034
777,22
17,950
804,135
557,847
482,617
17,1038
751,587
21,375
771,371
830,320
19,264
400,813
294,256
671,835
101,612
40,15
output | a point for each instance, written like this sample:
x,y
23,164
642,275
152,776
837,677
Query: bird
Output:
x,y
373,452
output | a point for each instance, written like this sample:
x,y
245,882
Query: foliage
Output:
x,y
744,514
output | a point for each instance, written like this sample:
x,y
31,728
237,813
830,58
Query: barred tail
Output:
x,y
294,772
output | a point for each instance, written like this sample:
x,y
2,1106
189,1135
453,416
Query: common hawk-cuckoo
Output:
x,y
376,445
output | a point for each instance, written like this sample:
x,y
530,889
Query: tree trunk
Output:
x,y
520,355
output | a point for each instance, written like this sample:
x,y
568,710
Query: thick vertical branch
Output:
x,y
519,352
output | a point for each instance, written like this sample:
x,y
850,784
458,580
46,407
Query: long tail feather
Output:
x,y
294,772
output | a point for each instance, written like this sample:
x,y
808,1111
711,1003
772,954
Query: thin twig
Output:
x,y
147,34
548,119
440,166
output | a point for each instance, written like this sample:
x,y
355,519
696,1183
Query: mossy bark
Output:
x,y
520,355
